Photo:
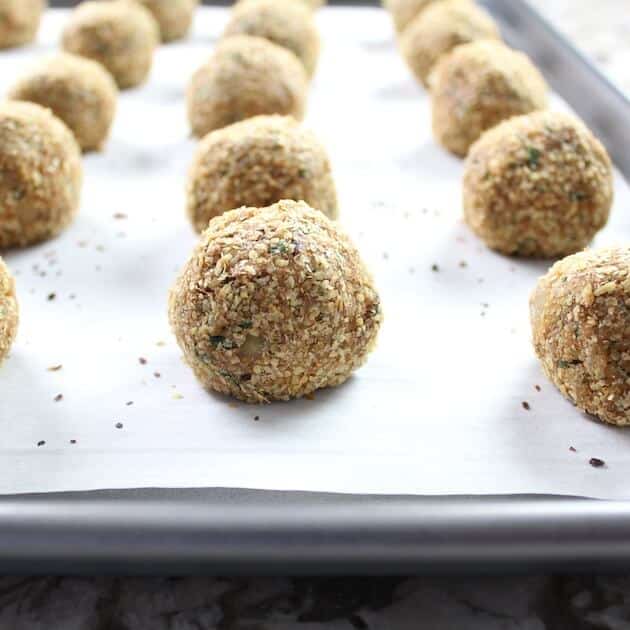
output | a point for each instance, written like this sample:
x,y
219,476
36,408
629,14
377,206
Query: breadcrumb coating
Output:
x,y
538,185
287,23
120,35
79,91
274,304
19,21
580,316
441,27
256,163
245,77
477,86
173,16
40,174
9,311
404,11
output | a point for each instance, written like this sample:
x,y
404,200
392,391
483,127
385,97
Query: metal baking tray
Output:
x,y
223,531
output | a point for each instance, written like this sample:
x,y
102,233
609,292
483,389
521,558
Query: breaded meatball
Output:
x,y
274,303
256,163
19,21
119,34
40,174
477,86
287,23
580,315
404,11
440,28
9,311
538,185
173,16
245,77
77,90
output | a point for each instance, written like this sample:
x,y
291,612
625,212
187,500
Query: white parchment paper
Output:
x,y
438,408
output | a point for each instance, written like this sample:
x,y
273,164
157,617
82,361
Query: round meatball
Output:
x,y
173,16
580,316
9,312
40,174
404,11
19,21
256,163
77,90
477,86
286,23
538,185
119,34
246,76
274,303
440,28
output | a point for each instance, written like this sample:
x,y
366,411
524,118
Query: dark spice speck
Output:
x,y
595,462
526,405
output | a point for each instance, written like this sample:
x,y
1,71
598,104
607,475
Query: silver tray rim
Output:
x,y
236,531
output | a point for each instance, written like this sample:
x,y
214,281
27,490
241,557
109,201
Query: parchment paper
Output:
x,y
438,409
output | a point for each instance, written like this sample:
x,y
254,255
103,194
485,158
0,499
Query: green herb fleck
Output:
x,y
280,247
246,324
533,158
576,195
220,342
567,364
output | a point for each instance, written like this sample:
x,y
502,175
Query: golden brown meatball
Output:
x,y
286,23
538,185
477,86
119,34
173,16
404,11
246,76
580,315
440,28
40,174
258,162
78,91
9,311
19,21
274,303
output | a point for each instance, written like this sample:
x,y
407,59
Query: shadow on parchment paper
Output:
x,y
551,420
379,45
441,161
122,157
406,90
43,386
281,413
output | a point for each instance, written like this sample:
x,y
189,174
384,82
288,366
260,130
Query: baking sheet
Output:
x,y
438,409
